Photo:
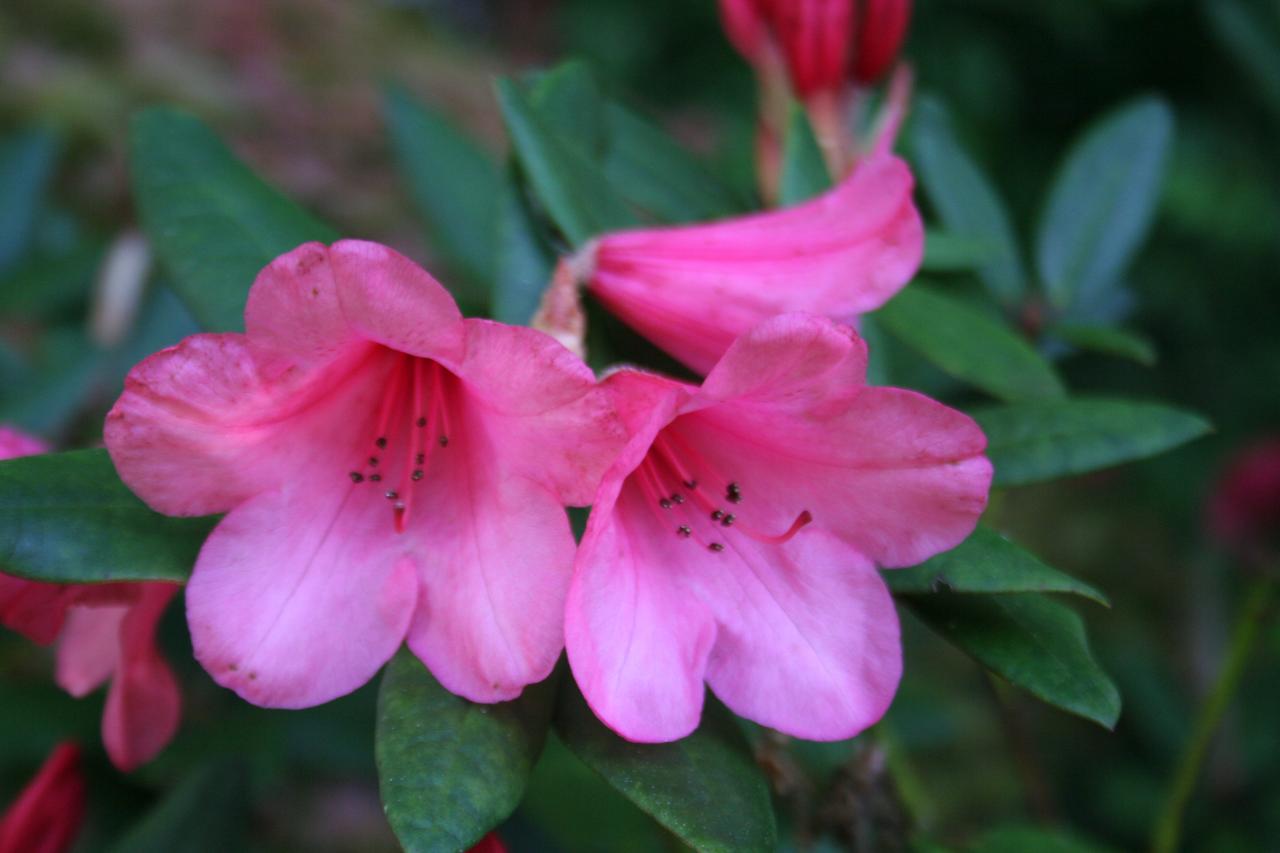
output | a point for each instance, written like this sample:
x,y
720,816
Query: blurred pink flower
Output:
x,y
389,471
104,632
1244,507
693,289
48,813
736,538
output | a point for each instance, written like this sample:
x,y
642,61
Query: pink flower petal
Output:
x,y
541,407
35,610
293,309
144,704
89,647
47,815
300,595
496,558
808,635
389,299
14,444
693,289
638,639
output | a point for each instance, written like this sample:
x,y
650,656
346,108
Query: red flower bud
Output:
x,y
47,814
881,31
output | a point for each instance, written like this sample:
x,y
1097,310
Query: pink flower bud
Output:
x,y
47,814
1244,507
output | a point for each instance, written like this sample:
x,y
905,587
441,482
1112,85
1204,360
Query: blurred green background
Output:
x,y
294,85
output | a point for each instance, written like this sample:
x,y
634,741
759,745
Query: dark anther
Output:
x,y
417,475
728,521
373,460
377,478
392,495
691,484
444,441
664,503
422,422
734,497
677,498
381,442
684,531
717,514
357,477
420,458
716,546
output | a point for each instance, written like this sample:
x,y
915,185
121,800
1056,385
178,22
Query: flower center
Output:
x,y
698,501
412,422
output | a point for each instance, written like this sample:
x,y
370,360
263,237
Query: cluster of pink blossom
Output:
x,y
392,472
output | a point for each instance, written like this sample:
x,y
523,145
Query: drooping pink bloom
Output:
x,y
104,633
735,540
693,289
1244,506
389,471
48,813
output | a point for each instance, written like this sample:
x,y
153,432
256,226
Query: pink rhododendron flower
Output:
x,y
104,632
693,289
389,471
736,539
48,813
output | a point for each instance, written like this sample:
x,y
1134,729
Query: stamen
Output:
x,y
664,503
728,520
684,531
716,546
377,478
357,477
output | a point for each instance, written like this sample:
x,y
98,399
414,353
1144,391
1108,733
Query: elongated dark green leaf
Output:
x,y
1030,641
451,770
970,345
1022,839
945,252
525,257
804,171
1102,202
569,100
214,223
27,160
67,518
46,284
966,201
705,788
1032,442
454,184
208,811
569,185
657,174
1253,45
987,563
1108,341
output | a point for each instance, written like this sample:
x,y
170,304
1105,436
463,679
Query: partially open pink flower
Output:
x,y
48,813
104,632
693,289
389,470
736,538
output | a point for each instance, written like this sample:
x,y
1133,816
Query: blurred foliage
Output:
x,y
298,89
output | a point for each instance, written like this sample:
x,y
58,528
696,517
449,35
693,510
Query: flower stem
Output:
x,y
1168,827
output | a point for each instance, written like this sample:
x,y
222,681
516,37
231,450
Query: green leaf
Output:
x,y
27,161
451,770
706,788
1102,202
207,811
46,284
657,175
966,201
1030,641
568,98
1108,341
213,222
454,184
804,171
970,345
1033,442
571,187
945,252
525,257
67,518
987,563
1251,43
